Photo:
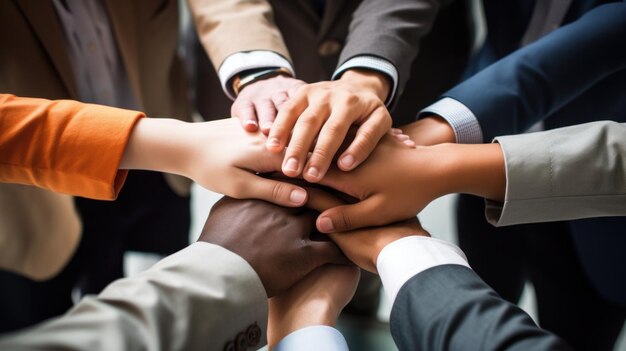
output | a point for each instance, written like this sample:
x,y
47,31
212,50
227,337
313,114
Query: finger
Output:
x,y
245,111
338,180
395,131
329,140
349,217
366,139
279,99
327,252
280,193
266,112
284,122
320,200
304,132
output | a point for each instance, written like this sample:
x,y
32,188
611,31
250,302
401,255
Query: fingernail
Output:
x,y
273,142
347,161
326,225
409,143
313,172
297,196
250,122
291,165
268,125
396,131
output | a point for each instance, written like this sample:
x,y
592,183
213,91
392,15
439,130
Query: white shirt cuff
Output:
x,y
404,258
243,61
466,127
375,64
317,337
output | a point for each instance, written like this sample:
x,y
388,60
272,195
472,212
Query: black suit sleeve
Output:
x,y
450,308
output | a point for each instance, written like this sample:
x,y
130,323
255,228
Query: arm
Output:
x,y
197,299
373,67
85,150
566,173
535,81
207,296
438,301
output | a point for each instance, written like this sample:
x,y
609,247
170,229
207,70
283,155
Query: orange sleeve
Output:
x,y
63,145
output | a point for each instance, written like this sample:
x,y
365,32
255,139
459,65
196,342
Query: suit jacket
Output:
x,y
449,307
566,173
34,62
317,44
575,75
200,298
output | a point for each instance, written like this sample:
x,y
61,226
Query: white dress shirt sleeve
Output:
x,y
375,64
404,258
243,61
466,127
317,337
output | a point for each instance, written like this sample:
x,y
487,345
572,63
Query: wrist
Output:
x,y
374,81
476,169
242,80
430,130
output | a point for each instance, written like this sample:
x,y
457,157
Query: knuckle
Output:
x,y
345,221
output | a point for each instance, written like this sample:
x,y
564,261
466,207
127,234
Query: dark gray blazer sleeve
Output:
x,y
450,308
390,30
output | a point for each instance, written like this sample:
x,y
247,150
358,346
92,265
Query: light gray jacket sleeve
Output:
x,y
200,298
561,174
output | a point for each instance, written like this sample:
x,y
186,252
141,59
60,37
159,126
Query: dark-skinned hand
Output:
x,y
274,240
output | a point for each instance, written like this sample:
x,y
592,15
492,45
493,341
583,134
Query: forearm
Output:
x,y
164,145
471,169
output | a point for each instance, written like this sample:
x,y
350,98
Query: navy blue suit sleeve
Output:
x,y
450,308
532,83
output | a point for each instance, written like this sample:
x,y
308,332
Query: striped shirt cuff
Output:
x,y
243,61
466,127
375,64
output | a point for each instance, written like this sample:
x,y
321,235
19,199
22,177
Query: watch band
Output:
x,y
244,79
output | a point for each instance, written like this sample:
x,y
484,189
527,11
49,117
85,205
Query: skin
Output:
x,y
315,300
316,117
274,240
257,104
219,155
420,175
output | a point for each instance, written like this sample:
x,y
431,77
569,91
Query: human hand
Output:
x,y
396,183
430,130
218,155
257,103
317,299
325,111
362,246
274,240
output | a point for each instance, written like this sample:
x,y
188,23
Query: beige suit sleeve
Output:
x,y
200,298
226,27
561,174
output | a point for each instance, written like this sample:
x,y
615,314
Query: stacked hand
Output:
x,y
274,240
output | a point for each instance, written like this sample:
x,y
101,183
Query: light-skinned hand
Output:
x,y
317,118
219,155
257,104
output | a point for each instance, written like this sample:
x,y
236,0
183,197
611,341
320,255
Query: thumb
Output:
x,y
320,200
349,217
280,193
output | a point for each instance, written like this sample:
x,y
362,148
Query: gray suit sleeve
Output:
x,y
390,30
200,298
449,307
566,173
